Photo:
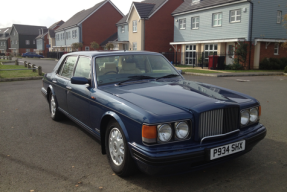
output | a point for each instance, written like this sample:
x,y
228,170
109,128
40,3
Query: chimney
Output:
x,y
39,31
42,31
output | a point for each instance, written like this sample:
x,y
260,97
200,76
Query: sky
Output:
x,y
45,13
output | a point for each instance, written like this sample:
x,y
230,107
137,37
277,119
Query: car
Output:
x,y
147,116
32,54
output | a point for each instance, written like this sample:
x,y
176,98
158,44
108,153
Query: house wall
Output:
x,y
207,32
3,48
14,38
72,40
22,41
159,28
136,36
123,36
265,19
101,25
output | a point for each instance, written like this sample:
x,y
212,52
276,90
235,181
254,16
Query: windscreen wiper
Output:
x,y
167,76
136,77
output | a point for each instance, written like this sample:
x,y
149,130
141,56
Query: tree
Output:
x,y
80,45
109,46
284,45
75,46
94,45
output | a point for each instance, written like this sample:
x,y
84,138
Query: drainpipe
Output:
x,y
250,33
143,34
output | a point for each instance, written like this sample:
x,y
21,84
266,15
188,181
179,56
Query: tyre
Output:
x,y
55,113
118,154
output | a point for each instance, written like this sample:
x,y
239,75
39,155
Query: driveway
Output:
x,y
37,153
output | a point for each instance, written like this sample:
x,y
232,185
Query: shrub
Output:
x,y
273,64
285,70
234,66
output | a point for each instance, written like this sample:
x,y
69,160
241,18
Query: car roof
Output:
x,y
96,53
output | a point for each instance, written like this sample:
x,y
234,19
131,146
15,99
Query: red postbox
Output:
x,y
213,60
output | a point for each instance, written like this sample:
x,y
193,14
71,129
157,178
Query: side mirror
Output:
x,y
80,80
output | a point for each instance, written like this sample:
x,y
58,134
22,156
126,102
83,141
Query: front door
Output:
x,y
230,48
190,54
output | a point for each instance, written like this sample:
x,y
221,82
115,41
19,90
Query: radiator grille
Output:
x,y
218,121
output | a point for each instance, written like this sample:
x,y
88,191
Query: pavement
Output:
x,y
46,64
37,153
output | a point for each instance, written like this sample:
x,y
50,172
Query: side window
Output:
x,y
68,67
83,68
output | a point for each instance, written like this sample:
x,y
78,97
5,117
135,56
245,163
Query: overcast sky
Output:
x,y
45,13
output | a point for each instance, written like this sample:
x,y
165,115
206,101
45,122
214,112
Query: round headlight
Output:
x,y
164,132
244,117
181,130
253,115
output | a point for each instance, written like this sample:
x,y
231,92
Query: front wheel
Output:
x,y
117,150
55,113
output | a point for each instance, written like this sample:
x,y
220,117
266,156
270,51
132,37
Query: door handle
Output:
x,y
54,81
68,87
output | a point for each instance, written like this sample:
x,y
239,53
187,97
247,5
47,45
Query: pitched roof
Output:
x,y
58,23
45,31
123,20
4,33
144,9
114,37
51,33
187,5
28,29
81,15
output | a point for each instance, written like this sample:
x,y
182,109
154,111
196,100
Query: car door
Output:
x,y
79,95
61,81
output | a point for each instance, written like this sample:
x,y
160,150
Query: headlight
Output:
x,y
253,115
164,133
244,117
181,130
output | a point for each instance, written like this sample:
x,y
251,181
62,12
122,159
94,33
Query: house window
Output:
x,y
74,34
87,48
135,27
69,35
123,29
64,35
194,22
134,46
217,19
209,49
279,16
276,49
182,23
14,33
235,16
27,42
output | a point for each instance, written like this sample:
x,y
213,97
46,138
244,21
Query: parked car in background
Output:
x,y
32,54
147,115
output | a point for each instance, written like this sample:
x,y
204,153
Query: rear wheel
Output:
x,y
118,153
55,113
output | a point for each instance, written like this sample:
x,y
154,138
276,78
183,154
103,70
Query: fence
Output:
x,y
213,60
56,55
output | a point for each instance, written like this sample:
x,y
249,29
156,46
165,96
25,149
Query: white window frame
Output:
x,y
235,15
135,48
279,17
135,26
27,42
215,22
123,29
195,23
276,49
182,24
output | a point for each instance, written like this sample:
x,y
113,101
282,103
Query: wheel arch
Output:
x,y
106,118
51,90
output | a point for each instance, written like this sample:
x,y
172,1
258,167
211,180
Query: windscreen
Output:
x,y
113,69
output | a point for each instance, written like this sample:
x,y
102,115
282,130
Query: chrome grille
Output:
x,y
218,121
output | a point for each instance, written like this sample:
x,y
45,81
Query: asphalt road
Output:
x,y
37,153
46,64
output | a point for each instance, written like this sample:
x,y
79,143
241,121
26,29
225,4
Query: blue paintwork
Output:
x,y
32,54
146,102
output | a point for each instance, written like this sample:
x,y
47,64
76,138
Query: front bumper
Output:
x,y
191,161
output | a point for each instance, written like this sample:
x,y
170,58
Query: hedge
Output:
x,y
273,63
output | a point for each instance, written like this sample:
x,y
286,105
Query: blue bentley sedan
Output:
x,y
147,116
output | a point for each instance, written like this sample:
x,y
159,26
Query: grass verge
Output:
x,y
252,71
199,71
16,74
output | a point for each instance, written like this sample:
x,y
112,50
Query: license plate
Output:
x,y
227,150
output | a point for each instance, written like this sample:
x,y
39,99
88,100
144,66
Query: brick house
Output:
x,y
5,40
218,26
148,26
94,24
44,39
22,38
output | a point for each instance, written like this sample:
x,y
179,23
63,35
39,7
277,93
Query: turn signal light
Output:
x,y
149,133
